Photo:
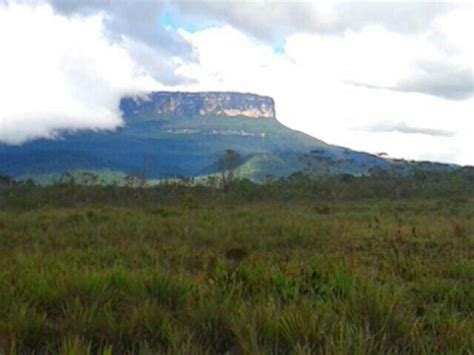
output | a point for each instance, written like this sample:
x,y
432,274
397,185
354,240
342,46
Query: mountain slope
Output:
x,y
181,134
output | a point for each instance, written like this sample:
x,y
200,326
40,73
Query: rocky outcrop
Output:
x,y
187,104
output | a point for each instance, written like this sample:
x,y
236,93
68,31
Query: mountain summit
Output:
x,y
188,104
171,134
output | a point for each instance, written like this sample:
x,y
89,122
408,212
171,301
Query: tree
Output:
x,y
67,178
6,182
136,179
88,178
226,165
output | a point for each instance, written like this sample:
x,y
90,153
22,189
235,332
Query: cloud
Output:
x,y
402,127
154,45
271,20
136,20
437,79
309,84
60,74
65,65
136,26
438,62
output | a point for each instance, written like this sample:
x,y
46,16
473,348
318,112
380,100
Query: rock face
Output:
x,y
188,104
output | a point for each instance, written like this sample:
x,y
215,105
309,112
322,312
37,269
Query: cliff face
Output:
x,y
180,104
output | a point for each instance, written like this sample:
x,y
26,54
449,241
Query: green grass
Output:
x,y
214,277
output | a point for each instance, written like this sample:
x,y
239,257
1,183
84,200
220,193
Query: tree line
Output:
x,y
228,186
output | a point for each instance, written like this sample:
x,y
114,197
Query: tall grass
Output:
x,y
209,277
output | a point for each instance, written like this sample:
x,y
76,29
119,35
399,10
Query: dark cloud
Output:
x,y
402,17
263,20
138,21
446,81
156,62
135,19
404,128
441,80
270,20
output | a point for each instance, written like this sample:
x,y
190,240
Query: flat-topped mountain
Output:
x,y
171,134
195,104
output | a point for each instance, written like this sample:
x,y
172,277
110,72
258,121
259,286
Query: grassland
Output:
x,y
195,277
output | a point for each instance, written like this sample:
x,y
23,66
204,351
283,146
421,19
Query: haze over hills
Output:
x,y
172,134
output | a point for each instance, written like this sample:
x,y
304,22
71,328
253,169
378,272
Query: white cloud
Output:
x,y
59,73
311,86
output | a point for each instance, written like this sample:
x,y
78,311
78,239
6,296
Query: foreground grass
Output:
x,y
362,278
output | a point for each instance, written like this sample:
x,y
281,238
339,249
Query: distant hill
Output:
x,y
172,134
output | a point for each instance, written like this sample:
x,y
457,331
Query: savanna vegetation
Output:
x,y
341,265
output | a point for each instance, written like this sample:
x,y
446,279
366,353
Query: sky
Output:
x,y
372,76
